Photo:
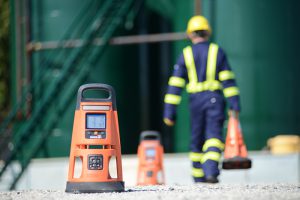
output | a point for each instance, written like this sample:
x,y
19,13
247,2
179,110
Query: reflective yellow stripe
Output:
x,y
177,81
231,91
226,75
215,156
168,122
211,66
198,173
195,157
172,99
210,84
203,86
211,62
190,65
213,142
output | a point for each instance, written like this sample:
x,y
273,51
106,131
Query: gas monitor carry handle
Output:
x,y
150,135
96,86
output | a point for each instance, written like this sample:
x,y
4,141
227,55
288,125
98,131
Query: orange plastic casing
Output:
x,y
234,145
95,147
150,168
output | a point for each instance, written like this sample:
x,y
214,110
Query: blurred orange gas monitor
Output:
x,y
150,154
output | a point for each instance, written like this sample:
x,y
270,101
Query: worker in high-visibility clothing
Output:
x,y
203,69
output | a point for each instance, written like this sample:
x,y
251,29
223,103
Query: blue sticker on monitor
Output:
x,y
95,121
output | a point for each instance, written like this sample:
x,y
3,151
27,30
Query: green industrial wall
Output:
x,y
116,67
259,36
119,66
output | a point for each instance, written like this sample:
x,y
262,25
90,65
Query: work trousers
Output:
x,y
207,110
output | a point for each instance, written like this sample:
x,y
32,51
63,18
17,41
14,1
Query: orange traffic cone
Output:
x,y
95,143
235,154
150,154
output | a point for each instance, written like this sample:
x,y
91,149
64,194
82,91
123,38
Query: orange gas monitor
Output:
x,y
95,144
150,154
235,153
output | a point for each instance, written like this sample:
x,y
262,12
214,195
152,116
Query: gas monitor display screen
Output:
x,y
150,153
95,121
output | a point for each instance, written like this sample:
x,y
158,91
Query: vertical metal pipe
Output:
x,y
17,48
26,40
212,10
13,57
36,27
143,71
23,53
197,7
27,54
165,64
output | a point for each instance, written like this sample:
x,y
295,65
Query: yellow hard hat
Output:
x,y
198,23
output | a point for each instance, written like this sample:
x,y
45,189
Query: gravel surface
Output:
x,y
171,192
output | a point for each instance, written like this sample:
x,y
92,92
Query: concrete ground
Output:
x,y
271,177
266,168
172,192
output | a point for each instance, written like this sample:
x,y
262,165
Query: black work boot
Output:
x,y
211,179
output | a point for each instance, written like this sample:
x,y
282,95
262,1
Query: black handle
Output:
x,y
150,135
96,86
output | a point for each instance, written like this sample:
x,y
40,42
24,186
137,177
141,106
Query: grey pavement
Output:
x,y
172,192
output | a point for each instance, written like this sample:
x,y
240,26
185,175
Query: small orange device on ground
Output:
x,y
95,141
235,154
150,154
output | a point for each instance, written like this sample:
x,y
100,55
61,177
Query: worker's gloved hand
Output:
x,y
169,122
233,113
